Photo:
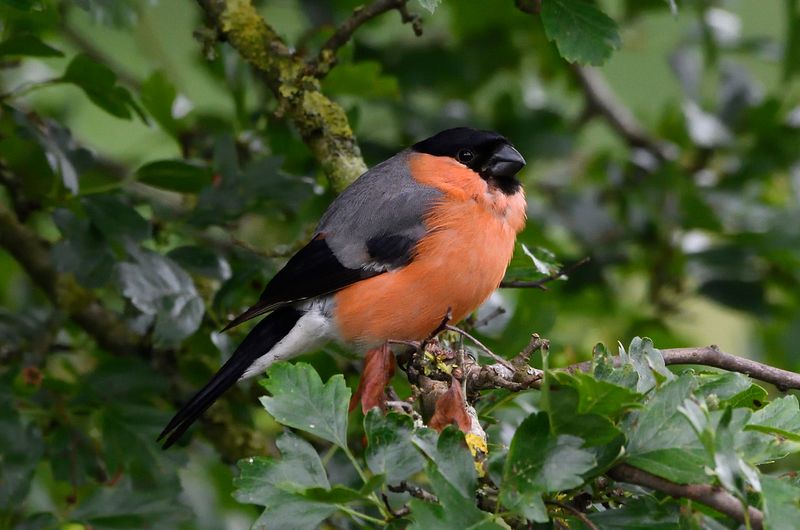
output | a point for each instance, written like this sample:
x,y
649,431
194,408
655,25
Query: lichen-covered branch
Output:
x,y
711,496
321,122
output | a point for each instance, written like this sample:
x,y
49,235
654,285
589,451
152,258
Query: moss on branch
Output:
x,y
321,122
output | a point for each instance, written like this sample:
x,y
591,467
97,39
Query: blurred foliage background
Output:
x,y
160,174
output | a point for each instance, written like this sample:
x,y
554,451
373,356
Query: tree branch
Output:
x,y
322,123
711,496
326,58
713,356
80,304
602,100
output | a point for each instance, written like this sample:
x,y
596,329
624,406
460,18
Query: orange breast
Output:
x,y
457,265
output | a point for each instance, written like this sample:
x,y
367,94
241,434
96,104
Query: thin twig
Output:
x,y
540,284
480,345
326,58
576,512
414,491
602,100
713,356
707,494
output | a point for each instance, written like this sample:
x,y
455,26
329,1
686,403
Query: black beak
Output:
x,y
505,162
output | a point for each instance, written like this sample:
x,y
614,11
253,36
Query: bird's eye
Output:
x,y
465,156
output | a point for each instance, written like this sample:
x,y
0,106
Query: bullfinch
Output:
x,y
430,230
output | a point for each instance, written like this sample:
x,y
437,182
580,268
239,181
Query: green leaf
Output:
x,y
732,388
100,85
334,495
201,260
389,448
450,454
599,397
661,439
268,482
539,462
781,503
648,363
455,511
300,400
27,45
175,175
582,32
643,513
83,251
782,414
162,291
565,418
158,96
116,220
22,450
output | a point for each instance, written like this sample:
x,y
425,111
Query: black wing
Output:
x,y
316,271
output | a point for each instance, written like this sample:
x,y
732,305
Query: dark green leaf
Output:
x,y
100,85
539,462
158,96
450,454
116,220
389,447
643,513
455,511
300,400
582,32
599,397
82,252
175,175
201,260
27,45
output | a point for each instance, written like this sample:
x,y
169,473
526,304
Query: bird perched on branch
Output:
x,y
429,231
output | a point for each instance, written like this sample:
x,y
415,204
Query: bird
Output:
x,y
425,234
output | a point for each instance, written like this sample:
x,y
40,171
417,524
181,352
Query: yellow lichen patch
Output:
x,y
479,449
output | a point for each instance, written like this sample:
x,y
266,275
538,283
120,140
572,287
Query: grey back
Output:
x,y
386,200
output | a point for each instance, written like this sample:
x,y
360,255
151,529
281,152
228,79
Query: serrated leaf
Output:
x,y
389,448
449,452
455,511
599,397
782,414
596,430
582,32
27,45
781,503
660,438
268,482
539,462
300,400
162,290
175,175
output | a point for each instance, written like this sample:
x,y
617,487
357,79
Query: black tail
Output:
x,y
259,341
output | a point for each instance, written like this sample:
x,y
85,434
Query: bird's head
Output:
x,y
487,153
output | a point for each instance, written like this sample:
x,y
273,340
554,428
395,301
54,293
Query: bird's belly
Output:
x,y
456,267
